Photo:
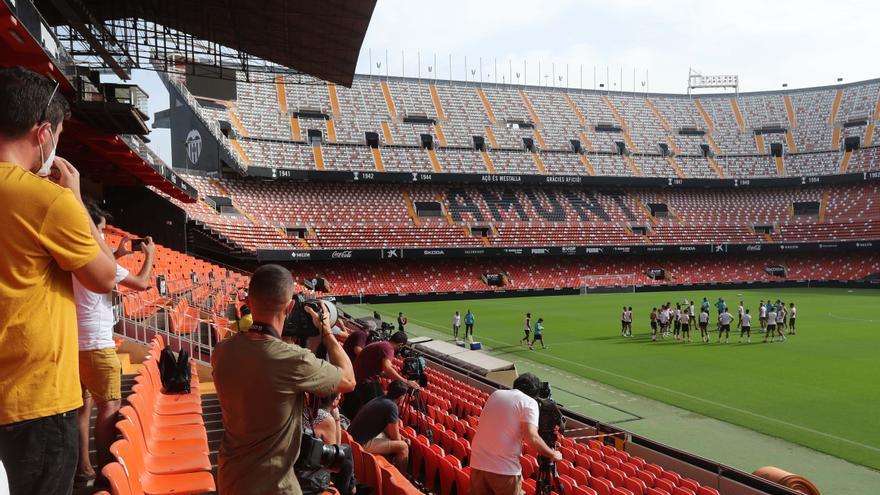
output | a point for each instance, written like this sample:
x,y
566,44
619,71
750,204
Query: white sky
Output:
x,y
767,43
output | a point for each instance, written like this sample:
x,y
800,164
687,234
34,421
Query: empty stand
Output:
x,y
270,123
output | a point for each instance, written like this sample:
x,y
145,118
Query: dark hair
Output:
x,y
529,315
528,384
398,338
24,95
96,212
323,402
396,389
271,286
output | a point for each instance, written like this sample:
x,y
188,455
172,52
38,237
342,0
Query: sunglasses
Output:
x,y
48,104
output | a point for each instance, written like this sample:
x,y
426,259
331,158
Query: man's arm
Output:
x,y
532,439
389,372
392,431
142,280
335,354
99,274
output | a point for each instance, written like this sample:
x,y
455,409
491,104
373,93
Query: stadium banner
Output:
x,y
264,255
534,180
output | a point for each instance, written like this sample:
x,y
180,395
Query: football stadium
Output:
x,y
247,253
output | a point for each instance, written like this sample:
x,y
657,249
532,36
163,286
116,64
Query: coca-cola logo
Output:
x,y
341,254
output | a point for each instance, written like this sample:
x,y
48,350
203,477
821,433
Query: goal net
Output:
x,y
594,284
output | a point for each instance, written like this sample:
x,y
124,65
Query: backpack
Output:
x,y
175,373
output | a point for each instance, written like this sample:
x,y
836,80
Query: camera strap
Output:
x,y
264,329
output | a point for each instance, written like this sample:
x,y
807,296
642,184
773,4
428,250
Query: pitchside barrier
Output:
x,y
571,291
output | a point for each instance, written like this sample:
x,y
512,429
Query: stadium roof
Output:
x,y
319,37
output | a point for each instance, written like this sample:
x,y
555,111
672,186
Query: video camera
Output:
x,y
381,332
414,365
299,324
551,423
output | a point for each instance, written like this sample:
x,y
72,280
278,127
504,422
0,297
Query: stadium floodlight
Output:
x,y
698,81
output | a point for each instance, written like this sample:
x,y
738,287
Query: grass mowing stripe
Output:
x,y
689,396
817,389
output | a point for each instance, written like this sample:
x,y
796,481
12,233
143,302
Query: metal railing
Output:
x,y
190,320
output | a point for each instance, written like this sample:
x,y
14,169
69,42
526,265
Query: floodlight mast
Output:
x,y
698,81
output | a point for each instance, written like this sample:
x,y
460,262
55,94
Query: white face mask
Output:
x,y
46,167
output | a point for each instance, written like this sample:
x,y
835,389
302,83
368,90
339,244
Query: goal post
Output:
x,y
605,283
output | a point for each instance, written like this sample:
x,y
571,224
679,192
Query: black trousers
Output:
x,y
40,455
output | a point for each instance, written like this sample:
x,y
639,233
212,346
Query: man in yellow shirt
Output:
x,y
46,235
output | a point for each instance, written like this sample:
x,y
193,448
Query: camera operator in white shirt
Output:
x,y
509,418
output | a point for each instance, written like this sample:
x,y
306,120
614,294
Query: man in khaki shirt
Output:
x,y
261,383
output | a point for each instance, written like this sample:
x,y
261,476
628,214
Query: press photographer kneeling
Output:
x,y
509,418
262,383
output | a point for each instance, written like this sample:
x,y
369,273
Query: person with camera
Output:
x,y
322,421
261,384
47,235
376,425
374,362
355,343
509,418
99,367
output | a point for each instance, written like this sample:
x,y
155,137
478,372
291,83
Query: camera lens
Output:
x,y
334,455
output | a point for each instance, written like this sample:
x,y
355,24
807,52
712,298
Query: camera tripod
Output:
x,y
415,411
547,478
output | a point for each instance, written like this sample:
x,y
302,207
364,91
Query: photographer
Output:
x,y
509,418
355,343
261,383
374,362
99,366
376,425
324,422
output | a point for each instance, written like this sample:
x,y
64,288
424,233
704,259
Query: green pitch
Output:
x,y
820,388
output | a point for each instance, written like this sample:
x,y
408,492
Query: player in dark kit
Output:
x,y
654,324
527,328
